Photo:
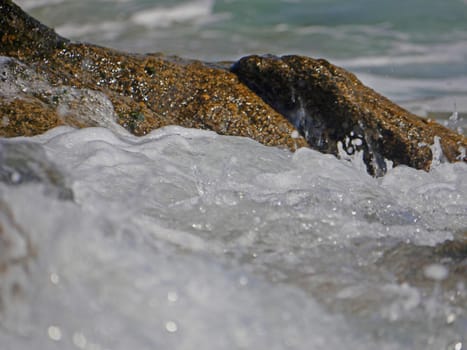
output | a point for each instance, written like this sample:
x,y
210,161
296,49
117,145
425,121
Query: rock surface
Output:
x,y
328,104
48,81
147,91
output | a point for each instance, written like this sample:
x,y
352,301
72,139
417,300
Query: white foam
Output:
x,y
193,11
405,88
32,4
410,53
108,30
111,286
445,104
187,239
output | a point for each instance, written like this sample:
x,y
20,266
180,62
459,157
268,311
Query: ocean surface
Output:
x,y
184,239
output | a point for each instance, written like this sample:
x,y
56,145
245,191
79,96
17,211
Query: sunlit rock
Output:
x,y
147,91
263,98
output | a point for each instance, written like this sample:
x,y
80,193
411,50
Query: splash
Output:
x,y
173,240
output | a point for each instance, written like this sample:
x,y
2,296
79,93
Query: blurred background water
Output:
x,y
414,52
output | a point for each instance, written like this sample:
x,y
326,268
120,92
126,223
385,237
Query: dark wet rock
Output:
x,y
22,35
263,98
330,105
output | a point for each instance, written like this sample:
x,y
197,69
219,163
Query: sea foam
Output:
x,y
187,239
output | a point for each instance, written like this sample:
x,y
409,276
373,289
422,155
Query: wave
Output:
x,y
108,29
400,86
33,4
404,53
139,26
193,11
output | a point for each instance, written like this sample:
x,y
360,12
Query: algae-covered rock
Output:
x,y
263,98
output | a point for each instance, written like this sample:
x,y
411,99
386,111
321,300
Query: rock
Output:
x,y
30,104
263,98
147,91
329,105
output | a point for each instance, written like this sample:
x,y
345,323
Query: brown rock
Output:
x,y
329,105
26,117
147,91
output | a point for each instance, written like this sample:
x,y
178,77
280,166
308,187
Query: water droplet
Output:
x,y
171,326
172,296
79,340
455,346
357,142
450,318
54,278
15,177
454,117
54,333
243,281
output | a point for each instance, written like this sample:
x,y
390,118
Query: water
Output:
x,y
173,240
184,239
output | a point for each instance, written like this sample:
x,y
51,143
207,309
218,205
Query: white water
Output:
x,y
184,239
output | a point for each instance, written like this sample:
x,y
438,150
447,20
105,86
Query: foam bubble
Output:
x,y
436,272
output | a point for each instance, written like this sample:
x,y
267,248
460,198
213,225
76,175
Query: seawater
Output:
x,y
184,239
